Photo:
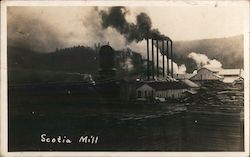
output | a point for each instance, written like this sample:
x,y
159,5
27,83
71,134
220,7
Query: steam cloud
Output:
x,y
181,69
202,60
177,69
128,65
115,17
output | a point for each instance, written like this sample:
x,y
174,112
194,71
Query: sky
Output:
x,y
48,28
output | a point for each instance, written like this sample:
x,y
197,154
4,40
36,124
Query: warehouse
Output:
x,y
161,89
224,75
230,75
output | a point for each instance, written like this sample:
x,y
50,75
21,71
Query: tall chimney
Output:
x,y
153,69
168,58
172,70
163,62
147,60
157,59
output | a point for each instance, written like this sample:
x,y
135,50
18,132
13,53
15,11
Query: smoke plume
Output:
x,y
115,17
177,69
43,29
202,60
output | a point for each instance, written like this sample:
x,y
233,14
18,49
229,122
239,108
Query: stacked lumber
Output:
x,y
217,97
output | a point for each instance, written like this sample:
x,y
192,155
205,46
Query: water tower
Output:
x,y
107,62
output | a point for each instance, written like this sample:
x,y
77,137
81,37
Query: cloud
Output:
x,y
202,60
44,29
31,32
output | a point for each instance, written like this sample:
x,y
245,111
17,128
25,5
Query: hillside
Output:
x,y
25,65
229,51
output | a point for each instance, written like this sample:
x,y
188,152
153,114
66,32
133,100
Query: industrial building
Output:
x,y
152,87
224,75
230,75
160,89
164,89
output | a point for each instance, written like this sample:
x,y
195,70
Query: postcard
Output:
x,y
124,78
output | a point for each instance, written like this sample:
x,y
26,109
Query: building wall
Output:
x,y
171,93
146,91
204,74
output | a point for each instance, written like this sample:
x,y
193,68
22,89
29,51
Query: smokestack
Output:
x,y
163,62
167,58
157,59
147,60
172,70
153,69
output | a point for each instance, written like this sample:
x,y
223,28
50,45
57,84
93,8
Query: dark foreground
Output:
x,y
210,121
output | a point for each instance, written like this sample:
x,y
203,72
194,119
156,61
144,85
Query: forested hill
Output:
x,y
26,65
229,51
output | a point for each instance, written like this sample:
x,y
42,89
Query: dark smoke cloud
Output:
x,y
115,17
42,29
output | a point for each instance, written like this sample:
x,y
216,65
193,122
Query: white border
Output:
x,y
3,84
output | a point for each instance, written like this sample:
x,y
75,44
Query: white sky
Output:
x,y
73,24
188,23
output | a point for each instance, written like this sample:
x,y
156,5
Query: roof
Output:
x,y
230,72
163,85
230,79
212,73
183,76
220,73
215,70
218,76
190,83
223,72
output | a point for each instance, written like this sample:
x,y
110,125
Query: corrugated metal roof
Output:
x,y
230,72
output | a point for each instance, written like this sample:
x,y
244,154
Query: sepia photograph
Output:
x,y
125,77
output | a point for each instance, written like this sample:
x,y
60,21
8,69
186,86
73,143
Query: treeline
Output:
x,y
24,63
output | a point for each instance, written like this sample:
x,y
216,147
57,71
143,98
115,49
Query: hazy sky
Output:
x,y
68,26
